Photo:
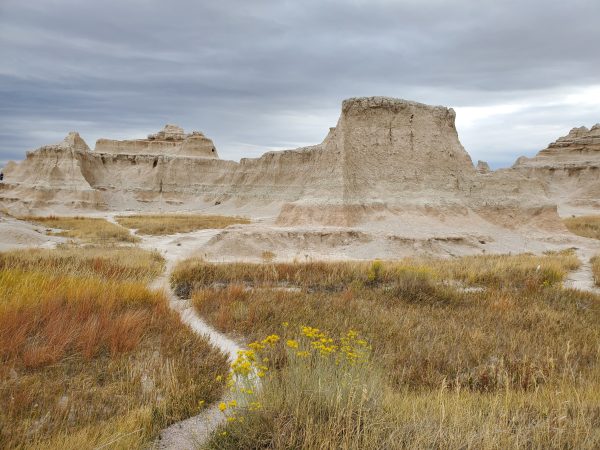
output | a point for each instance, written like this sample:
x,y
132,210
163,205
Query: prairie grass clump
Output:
x,y
89,356
586,226
177,223
88,229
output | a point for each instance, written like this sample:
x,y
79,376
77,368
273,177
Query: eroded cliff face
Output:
x,y
50,177
570,169
393,149
386,160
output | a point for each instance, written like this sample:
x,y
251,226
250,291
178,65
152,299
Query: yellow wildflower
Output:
x,y
256,346
254,406
270,340
310,332
292,343
222,406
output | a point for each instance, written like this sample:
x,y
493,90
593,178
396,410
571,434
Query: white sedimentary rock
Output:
x,y
388,166
171,140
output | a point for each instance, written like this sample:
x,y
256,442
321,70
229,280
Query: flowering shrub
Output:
x,y
308,349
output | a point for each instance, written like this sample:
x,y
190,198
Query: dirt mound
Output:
x,y
328,244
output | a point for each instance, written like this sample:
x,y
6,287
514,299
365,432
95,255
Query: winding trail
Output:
x,y
193,432
583,277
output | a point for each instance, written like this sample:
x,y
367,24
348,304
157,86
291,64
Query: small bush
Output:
x,y
316,392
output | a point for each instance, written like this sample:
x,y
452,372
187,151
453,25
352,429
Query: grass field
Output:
x,y
110,263
586,226
90,357
176,223
87,229
513,365
493,271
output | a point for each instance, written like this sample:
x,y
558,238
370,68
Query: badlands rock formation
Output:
x,y
389,178
171,140
483,167
51,172
570,167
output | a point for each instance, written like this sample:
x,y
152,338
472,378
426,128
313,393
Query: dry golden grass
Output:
x,y
110,263
424,334
177,223
515,365
497,270
89,355
596,269
88,229
313,399
586,226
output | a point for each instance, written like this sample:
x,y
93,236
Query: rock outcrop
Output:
x,y
570,167
483,167
171,140
579,144
52,176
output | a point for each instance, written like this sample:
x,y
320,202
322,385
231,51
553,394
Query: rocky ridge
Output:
x,y
570,168
171,140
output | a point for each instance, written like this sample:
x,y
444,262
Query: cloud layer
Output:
x,y
265,75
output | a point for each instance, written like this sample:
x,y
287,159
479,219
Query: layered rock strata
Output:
x,y
570,169
388,162
171,140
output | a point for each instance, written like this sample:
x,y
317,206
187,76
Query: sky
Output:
x,y
258,75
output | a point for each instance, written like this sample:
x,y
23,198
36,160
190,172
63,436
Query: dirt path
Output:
x,y
195,431
583,278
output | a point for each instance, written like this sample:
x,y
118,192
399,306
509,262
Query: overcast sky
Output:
x,y
262,75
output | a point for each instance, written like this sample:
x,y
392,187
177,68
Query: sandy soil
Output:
x,y
15,234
